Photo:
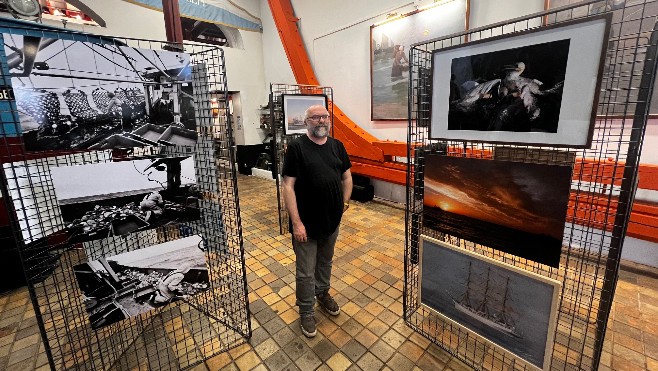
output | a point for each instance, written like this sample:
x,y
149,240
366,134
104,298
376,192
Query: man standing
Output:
x,y
317,185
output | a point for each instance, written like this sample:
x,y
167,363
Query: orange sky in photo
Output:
x,y
527,197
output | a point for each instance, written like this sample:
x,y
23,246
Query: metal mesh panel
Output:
x,y
280,140
180,334
602,188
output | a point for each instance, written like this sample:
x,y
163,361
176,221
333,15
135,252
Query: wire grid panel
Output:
x,y
175,336
280,140
602,188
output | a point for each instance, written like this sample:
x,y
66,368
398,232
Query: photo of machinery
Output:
x,y
142,194
118,287
75,95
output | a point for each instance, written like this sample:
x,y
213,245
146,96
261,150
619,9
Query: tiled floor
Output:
x,y
367,282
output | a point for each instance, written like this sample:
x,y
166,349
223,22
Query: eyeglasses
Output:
x,y
318,117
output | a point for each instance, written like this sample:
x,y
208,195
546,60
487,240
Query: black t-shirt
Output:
x,y
318,170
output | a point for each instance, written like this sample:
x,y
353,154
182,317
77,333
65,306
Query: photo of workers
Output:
x,y
74,95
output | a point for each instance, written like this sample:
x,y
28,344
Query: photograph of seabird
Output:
x,y
117,198
508,306
118,287
518,208
74,95
517,89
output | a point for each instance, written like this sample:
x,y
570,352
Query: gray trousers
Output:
x,y
313,269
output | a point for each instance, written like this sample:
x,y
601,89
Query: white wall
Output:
x,y
484,12
244,72
336,37
123,19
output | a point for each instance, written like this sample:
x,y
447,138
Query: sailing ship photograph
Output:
x,y
519,208
518,89
294,111
118,287
75,95
507,306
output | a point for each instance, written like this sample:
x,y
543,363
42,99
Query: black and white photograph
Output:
x,y
117,198
535,87
294,111
505,305
125,285
389,54
74,95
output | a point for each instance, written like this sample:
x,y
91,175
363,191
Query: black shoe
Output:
x,y
329,304
307,322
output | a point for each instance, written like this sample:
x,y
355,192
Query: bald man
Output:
x,y
317,185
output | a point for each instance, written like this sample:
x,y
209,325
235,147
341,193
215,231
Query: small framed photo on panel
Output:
x,y
294,111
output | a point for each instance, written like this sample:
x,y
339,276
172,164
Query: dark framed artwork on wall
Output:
x,y
536,87
515,207
294,110
507,306
389,50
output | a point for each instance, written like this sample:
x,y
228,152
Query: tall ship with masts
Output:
x,y
480,303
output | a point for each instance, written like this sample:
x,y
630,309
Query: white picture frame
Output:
x,y
536,318
294,109
573,111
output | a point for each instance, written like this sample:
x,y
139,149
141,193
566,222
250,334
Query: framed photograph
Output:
x,y
515,207
389,51
510,307
294,110
538,87
125,285
74,95
142,194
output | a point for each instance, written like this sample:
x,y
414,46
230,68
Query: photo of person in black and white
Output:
x,y
139,195
125,285
81,95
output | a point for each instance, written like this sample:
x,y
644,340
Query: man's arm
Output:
x,y
290,200
347,188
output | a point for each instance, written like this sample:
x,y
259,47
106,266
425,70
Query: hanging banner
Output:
x,y
213,11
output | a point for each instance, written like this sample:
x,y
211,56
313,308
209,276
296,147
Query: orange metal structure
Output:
x,y
372,157
358,142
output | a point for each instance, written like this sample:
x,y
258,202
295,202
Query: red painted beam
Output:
x,y
173,25
357,141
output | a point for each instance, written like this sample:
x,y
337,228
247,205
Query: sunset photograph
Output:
x,y
518,208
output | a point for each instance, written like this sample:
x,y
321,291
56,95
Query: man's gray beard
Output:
x,y
320,131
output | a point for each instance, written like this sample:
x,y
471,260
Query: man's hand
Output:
x,y
299,232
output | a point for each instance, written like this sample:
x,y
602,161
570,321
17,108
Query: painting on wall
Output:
x,y
294,111
389,52
518,208
510,307
74,95
535,87
142,194
125,285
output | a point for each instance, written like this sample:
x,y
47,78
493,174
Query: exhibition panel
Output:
x,y
515,139
123,196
